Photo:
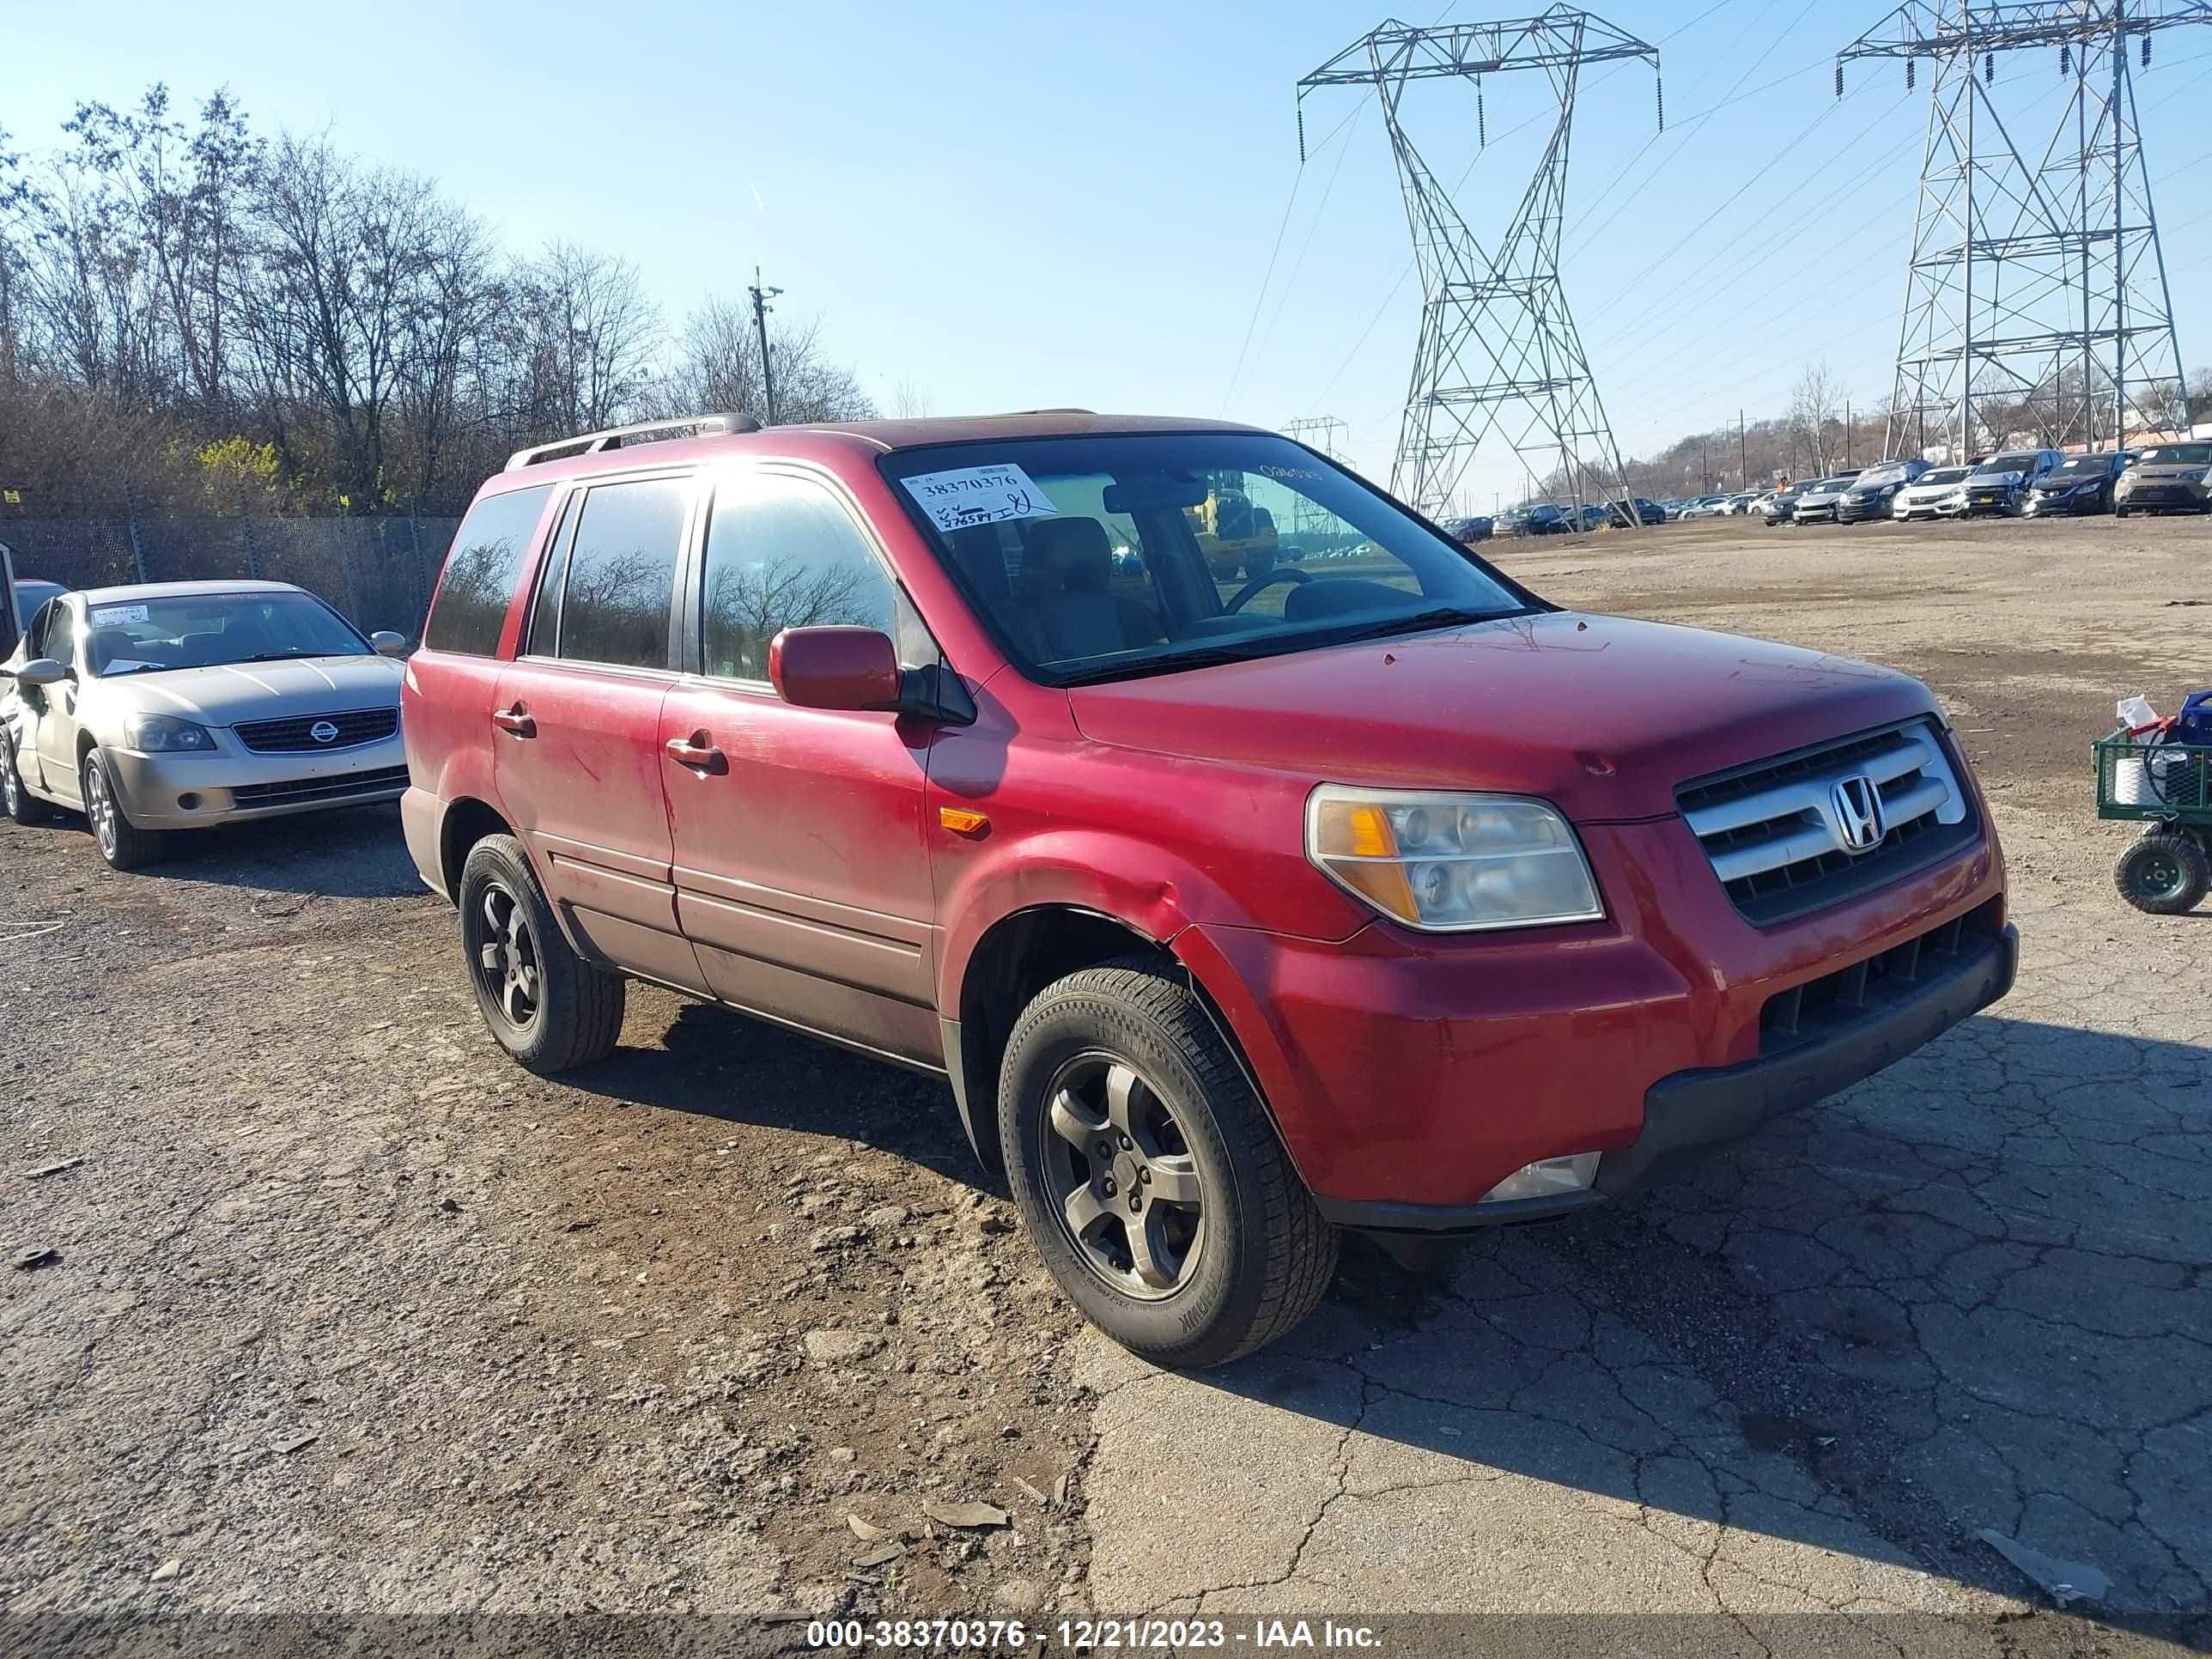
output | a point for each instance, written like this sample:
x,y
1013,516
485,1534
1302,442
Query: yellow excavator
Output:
x,y
1235,536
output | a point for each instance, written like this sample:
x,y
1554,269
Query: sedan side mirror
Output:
x,y
858,668
388,644
42,671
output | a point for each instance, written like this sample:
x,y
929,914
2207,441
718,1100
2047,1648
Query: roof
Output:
x,y
1028,423
127,590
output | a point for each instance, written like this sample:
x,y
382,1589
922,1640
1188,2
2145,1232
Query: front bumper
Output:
x,y
195,791
2059,507
1860,512
2151,496
2005,500
1410,1074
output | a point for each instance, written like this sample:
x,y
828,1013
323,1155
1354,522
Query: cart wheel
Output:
x,y
2165,873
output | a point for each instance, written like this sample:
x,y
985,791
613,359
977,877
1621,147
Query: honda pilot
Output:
x,y
1376,892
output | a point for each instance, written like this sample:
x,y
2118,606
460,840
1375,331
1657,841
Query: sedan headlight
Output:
x,y
165,735
1451,863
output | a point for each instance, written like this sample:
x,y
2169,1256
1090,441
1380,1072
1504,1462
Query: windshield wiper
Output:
x,y
1412,622
1205,657
283,656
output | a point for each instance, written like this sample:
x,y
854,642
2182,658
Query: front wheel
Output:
x,y
1148,1175
2120,512
21,806
549,1007
2164,874
122,843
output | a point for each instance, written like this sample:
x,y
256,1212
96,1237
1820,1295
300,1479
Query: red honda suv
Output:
x,y
1359,888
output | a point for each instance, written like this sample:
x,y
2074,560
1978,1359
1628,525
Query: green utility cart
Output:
x,y
2167,787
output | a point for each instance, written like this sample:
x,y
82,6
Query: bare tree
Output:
x,y
749,604
717,368
1815,408
586,337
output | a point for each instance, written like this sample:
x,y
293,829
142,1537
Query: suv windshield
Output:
x,y
200,630
1103,558
2177,455
1996,464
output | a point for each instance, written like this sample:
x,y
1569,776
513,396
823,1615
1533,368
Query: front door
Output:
x,y
802,874
578,724
56,636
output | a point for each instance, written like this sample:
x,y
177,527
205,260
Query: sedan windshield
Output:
x,y
2178,455
1945,475
1103,558
201,630
2086,466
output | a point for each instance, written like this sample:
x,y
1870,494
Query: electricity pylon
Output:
x,y
1324,432
1499,349
2035,294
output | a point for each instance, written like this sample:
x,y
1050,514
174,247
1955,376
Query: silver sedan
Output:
x,y
180,705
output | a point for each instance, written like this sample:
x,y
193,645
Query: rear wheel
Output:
x,y
2164,874
122,843
1149,1177
549,1007
22,806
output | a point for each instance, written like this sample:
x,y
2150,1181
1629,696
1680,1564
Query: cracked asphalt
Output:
x,y
1966,1294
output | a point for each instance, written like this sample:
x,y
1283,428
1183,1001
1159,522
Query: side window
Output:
x,y
482,570
57,634
781,552
543,636
621,582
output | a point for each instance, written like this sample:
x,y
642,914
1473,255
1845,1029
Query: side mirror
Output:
x,y
42,671
835,668
858,668
388,644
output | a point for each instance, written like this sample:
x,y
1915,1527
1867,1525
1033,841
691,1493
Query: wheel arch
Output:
x,y
466,821
1016,957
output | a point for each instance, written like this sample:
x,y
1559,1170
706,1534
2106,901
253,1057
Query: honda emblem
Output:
x,y
1857,807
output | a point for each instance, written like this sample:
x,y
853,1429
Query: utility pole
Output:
x,y
761,297
1850,431
1743,449
2058,273
1498,351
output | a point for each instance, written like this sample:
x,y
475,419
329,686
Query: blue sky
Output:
x,y
1013,205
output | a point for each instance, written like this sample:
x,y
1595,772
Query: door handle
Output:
x,y
516,720
698,752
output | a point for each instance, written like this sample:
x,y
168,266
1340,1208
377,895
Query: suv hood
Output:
x,y
1600,715
226,695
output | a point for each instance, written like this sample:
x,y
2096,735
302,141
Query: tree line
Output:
x,y
198,316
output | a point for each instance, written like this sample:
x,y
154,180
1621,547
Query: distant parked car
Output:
x,y
2001,483
1818,504
2082,483
1537,518
1646,512
1468,532
1589,515
1705,507
1781,507
2166,477
1939,493
1874,489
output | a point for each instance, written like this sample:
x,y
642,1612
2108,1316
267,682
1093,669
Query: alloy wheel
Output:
x,y
508,964
1122,1177
11,787
100,805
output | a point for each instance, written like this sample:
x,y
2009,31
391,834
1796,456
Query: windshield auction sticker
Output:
x,y
978,494
109,616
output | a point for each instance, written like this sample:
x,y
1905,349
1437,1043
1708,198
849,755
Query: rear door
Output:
x,y
578,721
802,874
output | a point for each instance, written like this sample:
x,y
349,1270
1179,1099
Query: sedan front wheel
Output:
x,y
122,843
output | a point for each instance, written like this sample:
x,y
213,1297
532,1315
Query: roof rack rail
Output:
x,y
1060,409
621,437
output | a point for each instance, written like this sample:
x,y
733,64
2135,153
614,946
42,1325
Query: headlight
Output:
x,y
163,734
1451,863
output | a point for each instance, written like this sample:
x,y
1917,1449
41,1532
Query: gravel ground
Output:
x,y
347,1313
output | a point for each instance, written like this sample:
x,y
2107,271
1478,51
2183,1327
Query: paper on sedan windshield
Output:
x,y
109,616
978,494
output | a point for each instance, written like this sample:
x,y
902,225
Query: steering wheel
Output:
x,y
1281,573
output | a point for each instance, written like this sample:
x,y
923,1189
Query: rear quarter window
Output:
x,y
482,571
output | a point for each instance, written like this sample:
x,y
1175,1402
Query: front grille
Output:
x,y
299,792
355,728
1820,1007
1778,841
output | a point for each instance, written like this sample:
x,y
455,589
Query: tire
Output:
x,y
1236,1265
2120,512
15,797
551,1009
122,843
2164,874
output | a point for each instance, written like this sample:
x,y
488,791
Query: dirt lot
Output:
x,y
346,1313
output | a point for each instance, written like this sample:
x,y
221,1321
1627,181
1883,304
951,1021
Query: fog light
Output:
x,y
1547,1177
191,803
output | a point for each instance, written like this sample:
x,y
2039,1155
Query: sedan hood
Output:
x,y
1600,715
225,696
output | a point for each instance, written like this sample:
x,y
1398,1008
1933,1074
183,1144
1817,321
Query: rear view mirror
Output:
x,y
41,670
388,644
835,668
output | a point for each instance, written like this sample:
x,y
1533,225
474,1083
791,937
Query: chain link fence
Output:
x,y
378,572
